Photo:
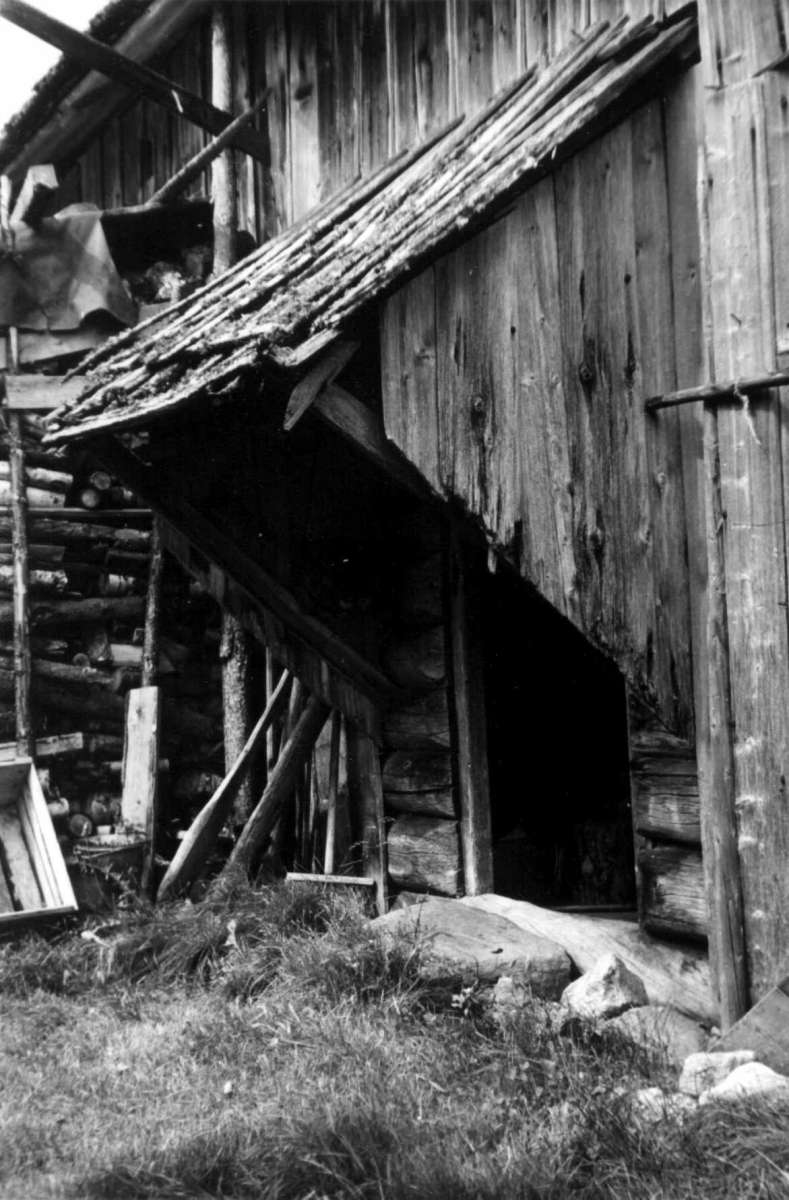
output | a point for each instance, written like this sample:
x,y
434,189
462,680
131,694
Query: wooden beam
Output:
x,y
468,694
139,78
153,607
40,393
360,426
25,735
37,197
197,164
325,371
253,579
141,770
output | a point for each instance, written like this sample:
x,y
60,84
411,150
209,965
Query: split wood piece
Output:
x,y
141,772
35,497
283,779
37,197
153,607
197,164
366,795
333,793
141,79
708,393
42,393
59,745
424,854
325,371
205,829
45,613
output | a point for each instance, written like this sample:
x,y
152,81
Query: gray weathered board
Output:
x,y
765,1030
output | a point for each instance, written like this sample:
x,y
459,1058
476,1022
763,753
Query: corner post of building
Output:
x,y
235,650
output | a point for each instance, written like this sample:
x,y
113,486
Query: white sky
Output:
x,y
24,59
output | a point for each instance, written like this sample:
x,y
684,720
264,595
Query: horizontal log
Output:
x,y
419,661
412,771
36,497
708,393
424,854
662,811
38,581
421,725
47,613
65,673
428,804
61,531
57,746
40,477
673,895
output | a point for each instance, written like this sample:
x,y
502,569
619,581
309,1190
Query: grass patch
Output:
x,y
266,1045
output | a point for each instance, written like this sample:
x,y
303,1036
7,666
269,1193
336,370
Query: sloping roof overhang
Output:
x,y
286,303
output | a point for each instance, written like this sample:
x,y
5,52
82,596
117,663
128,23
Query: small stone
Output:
x,y
608,989
661,1031
508,996
652,1105
703,1071
752,1080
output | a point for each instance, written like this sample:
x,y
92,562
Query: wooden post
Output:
x,y
334,787
468,694
153,604
235,651
366,791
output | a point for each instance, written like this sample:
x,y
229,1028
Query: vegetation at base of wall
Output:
x,y
267,1044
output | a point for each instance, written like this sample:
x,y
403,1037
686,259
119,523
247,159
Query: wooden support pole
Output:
x,y
205,828
334,788
235,648
468,694
153,605
284,777
205,157
142,80
367,796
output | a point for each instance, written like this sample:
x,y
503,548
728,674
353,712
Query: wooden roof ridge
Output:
x,y
297,293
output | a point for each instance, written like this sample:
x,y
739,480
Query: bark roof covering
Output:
x,y
289,300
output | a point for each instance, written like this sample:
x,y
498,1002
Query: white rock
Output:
x,y
705,1070
661,1031
477,945
752,1080
652,1104
608,989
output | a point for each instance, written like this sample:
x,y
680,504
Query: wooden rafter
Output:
x,y
123,70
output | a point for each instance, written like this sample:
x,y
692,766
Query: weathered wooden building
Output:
x,y
435,441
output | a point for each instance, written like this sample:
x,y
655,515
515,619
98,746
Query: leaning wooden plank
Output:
x,y
205,828
40,392
281,783
765,1030
6,899
124,70
36,846
37,197
22,877
676,975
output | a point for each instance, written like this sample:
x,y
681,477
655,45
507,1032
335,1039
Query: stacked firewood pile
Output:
x,y
89,546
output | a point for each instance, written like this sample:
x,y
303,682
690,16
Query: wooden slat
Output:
x,y
141,760
764,1029
22,876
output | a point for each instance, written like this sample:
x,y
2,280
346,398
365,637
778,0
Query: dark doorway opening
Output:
x,y
558,755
